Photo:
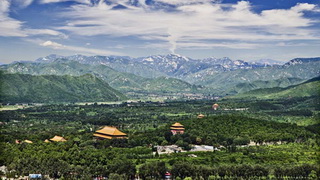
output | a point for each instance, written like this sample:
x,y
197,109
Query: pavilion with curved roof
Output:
x,y
109,132
58,139
177,128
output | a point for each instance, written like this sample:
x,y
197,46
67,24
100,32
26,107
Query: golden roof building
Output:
x,y
215,106
177,128
58,139
28,141
200,116
109,132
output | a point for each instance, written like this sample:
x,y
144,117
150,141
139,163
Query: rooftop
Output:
x,y
58,139
111,131
177,124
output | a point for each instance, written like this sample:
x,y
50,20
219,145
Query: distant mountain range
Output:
x,y
51,88
123,82
175,73
267,62
172,65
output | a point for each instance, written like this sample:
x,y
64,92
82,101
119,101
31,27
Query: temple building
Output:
x,y
28,141
25,141
200,116
110,133
177,128
215,106
58,139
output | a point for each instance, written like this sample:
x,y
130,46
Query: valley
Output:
x,y
159,90
238,123
294,122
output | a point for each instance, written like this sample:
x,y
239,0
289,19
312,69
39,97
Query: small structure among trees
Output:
x,y
200,116
28,141
109,132
177,128
25,141
215,106
58,139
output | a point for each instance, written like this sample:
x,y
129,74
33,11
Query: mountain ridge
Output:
x,y
28,88
123,82
307,88
210,75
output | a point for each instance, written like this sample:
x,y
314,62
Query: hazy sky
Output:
x,y
248,30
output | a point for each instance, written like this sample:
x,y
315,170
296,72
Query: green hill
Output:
x,y
169,84
282,83
51,88
306,89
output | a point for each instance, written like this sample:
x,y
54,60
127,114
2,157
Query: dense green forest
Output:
x,y
17,88
245,133
305,89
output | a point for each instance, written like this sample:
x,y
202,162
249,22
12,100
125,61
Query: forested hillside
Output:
x,y
305,89
24,88
121,81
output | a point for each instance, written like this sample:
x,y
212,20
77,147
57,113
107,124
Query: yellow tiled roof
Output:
x,y
28,141
176,124
111,131
177,128
102,136
58,139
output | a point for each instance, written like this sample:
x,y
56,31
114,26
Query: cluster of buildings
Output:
x,y
54,139
109,132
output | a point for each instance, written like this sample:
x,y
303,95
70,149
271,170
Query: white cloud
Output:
x,y
52,44
303,7
201,45
197,22
46,32
57,1
22,3
184,2
89,51
10,27
4,6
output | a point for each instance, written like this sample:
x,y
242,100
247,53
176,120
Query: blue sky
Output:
x,y
248,30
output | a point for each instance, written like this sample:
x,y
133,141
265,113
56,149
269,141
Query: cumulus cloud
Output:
x,y
52,44
10,27
58,46
193,24
57,1
189,24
